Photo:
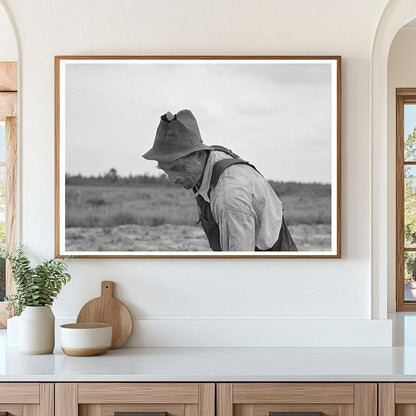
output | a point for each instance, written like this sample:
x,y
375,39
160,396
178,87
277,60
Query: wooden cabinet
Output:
x,y
397,399
208,399
107,399
27,399
264,399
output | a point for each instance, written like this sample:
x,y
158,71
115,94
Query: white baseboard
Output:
x,y
255,332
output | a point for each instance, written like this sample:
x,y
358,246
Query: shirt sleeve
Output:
x,y
237,231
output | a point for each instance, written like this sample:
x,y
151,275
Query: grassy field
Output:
x,y
150,218
94,206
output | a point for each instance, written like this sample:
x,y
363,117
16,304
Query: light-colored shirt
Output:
x,y
244,205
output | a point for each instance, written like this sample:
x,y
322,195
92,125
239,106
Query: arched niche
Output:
x,y
397,14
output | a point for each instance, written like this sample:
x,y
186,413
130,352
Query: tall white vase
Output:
x,y
37,330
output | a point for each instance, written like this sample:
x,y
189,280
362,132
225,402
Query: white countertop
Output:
x,y
221,364
215,364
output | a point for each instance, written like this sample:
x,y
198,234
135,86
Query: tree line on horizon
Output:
x,y
112,178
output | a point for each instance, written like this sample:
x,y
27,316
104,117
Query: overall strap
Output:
x,y
225,150
221,165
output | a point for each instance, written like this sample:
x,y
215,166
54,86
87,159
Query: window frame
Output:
x,y
403,96
8,113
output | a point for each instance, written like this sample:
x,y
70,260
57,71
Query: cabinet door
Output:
x,y
26,399
297,399
397,399
142,399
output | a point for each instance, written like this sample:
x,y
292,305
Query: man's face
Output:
x,y
185,171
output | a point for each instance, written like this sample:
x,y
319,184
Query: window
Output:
x,y
8,167
406,199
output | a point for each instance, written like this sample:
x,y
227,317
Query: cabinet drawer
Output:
x,y
138,393
148,399
21,399
303,399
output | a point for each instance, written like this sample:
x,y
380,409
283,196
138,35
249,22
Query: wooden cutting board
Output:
x,y
111,311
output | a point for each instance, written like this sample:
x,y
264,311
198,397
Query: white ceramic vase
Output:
x,y
37,330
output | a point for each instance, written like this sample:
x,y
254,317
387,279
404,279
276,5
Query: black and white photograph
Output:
x,y
197,156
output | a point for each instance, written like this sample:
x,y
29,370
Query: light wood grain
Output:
x,y
365,399
138,393
293,393
31,410
8,76
191,410
66,399
8,105
11,181
386,399
111,311
91,410
405,393
47,399
11,197
19,393
346,410
224,399
246,410
207,399
405,410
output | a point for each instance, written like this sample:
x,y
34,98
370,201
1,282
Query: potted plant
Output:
x,y
36,289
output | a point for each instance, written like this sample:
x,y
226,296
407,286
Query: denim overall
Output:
x,y
210,227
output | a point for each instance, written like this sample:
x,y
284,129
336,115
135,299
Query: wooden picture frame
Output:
x,y
281,113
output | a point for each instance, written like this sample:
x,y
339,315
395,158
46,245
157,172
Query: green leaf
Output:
x,y
35,286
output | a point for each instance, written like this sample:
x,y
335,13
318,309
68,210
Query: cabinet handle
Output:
x,y
138,414
295,413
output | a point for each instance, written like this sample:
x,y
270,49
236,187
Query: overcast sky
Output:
x,y
276,115
409,119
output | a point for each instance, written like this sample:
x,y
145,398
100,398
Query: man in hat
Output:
x,y
238,209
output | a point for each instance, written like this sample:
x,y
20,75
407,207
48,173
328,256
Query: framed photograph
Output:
x,y
139,141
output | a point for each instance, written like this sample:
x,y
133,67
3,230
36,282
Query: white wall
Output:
x,y
8,46
207,301
401,74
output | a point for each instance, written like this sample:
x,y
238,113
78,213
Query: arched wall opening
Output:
x,y
396,15
401,73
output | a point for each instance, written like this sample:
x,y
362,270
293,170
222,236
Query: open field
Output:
x,y
154,218
174,238
96,206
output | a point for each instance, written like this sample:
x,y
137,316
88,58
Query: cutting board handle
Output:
x,y
107,289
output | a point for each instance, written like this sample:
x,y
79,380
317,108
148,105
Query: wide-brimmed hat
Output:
x,y
176,136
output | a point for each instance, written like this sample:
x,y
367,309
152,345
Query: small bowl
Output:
x,y
83,340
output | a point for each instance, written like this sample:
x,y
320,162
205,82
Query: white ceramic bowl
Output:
x,y
85,339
